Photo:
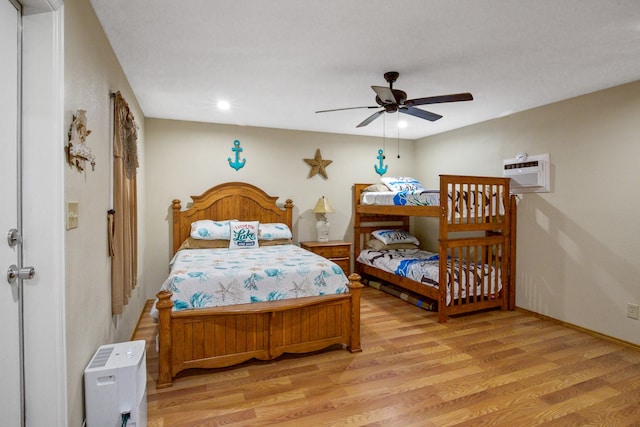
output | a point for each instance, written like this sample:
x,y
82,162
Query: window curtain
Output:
x,y
123,217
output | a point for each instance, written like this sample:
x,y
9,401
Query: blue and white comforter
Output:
x,y
218,277
423,267
468,203
401,198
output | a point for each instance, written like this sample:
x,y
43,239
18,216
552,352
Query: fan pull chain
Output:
x,y
384,136
398,126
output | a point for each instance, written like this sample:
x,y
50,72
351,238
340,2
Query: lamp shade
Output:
x,y
323,206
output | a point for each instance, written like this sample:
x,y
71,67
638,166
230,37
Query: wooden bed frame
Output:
x,y
224,336
467,238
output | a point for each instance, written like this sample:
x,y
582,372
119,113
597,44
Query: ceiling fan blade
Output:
x,y
455,97
385,94
371,118
348,108
427,115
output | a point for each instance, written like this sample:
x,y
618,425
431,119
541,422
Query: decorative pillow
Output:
x,y
377,245
402,183
191,243
207,229
376,188
244,234
389,237
276,242
273,231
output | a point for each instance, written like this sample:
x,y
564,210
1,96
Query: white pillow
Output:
x,y
376,188
402,183
391,237
244,234
273,231
206,229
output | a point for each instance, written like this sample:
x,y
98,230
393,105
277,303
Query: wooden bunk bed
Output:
x,y
223,336
476,227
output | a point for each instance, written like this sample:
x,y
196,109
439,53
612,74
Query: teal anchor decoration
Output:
x,y
382,169
236,164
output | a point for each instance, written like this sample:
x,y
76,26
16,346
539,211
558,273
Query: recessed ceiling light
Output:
x,y
402,124
224,105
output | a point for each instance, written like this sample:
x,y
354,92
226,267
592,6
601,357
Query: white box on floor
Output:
x,y
115,383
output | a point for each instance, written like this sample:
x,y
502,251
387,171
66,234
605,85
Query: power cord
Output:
x,y
125,418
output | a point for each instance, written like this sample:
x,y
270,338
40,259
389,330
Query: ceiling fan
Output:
x,y
392,100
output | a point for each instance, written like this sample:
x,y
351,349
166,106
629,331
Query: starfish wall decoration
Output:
x,y
318,165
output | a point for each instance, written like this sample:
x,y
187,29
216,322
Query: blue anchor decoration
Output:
x,y
236,164
382,169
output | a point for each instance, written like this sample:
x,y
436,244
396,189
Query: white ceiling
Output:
x,y
278,62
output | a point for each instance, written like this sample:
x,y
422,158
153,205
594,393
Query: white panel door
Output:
x,y
10,294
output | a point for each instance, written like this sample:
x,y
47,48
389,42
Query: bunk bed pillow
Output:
x,y
206,229
244,235
376,188
402,183
377,245
390,237
273,231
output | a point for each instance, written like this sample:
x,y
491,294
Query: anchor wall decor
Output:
x,y
236,164
382,169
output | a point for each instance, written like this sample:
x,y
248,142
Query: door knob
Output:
x,y
24,273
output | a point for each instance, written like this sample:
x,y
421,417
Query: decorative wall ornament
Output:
x,y
78,153
382,169
236,164
318,165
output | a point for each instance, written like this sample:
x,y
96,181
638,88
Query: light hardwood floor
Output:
x,y
487,369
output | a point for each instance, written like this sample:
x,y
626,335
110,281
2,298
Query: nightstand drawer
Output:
x,y
334,250
341,251
344,264
322,251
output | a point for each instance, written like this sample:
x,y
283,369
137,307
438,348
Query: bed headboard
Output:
x,y
231,200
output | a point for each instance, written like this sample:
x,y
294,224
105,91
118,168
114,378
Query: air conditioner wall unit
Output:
x,y
115,382
529,174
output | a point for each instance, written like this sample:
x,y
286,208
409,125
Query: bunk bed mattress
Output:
x,y
423,267
401,198
202,278
466,203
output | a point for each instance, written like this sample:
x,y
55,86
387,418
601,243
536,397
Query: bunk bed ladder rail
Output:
x,y
475,228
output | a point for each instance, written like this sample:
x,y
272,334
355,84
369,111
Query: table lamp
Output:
x,y
322,208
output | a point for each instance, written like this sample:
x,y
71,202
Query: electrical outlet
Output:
x,y
633,311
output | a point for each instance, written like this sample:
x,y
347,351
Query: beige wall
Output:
x,y
187,158
578,245
91,73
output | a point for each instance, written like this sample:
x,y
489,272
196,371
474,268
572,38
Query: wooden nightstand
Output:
x,y
335,250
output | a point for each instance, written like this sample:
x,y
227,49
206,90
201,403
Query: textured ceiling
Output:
x,y
278,62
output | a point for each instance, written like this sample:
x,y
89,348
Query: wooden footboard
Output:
x,y
224,336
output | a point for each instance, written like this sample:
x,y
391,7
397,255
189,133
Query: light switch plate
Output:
x,y
72,215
